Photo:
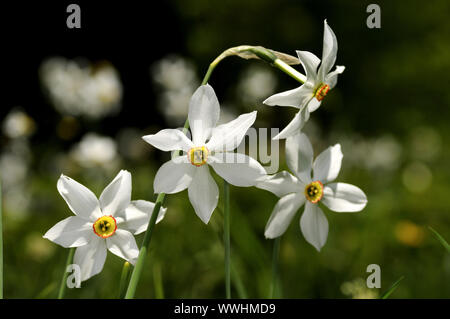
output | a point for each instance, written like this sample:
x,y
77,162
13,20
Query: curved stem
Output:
x,y
62,287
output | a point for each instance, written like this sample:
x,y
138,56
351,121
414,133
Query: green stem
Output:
x,y
62,287
289,70
1,242
276,252
226,237
124,279
136,275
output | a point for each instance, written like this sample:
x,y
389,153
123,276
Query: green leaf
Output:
x,y
440,238
392,288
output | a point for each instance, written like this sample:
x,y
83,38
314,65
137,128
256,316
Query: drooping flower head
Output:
x,y
311,186
211,145
107,223
319,81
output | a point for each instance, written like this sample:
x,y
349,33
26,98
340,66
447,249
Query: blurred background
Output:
x,y
77,101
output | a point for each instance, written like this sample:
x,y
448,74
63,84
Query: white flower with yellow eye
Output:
x,y
211,145
107,223
308,97
310,186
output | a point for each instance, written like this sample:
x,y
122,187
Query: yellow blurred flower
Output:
x,y
409,233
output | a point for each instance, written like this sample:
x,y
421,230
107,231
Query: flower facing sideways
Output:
x,y
311,185
308,97
107,223
211,145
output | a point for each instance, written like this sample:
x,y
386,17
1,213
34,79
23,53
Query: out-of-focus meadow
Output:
x,y
78,101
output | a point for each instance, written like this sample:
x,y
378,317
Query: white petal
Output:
x,y
299,156
314,225
204,111
91,257
342,197
282,214
313,104
281,184
297,97
117,195
174,176
169,140
70,232
123,244
295,125
227,137
203,193
81,201
331,78
329,51
328,164
137,215
310,63
238,169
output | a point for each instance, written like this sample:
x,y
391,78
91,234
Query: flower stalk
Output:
x,y
135,276
62,287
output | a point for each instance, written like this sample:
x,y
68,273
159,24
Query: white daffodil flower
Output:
x,y
210,146
308,97
311,185
107,223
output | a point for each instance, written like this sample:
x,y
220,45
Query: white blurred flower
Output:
x,y
417,177
177,80
256,83
94,150
18,124
357,289
92,90
383,152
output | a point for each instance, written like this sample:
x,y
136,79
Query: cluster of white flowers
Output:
x,y
176,80
90,90
108,223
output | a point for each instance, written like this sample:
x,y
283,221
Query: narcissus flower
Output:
x,y
319,80
210,146
107,223
311,185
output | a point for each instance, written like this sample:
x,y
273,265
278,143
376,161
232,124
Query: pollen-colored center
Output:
x,y
105,226
198,155
322,91
314,192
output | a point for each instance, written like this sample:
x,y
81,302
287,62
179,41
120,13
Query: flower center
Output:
x,y
198,155
322,91
314,192
105,226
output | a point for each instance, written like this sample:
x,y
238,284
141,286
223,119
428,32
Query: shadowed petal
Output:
x,y
314,225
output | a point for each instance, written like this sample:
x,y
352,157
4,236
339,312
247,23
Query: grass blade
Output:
x,y
392,288
440,238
